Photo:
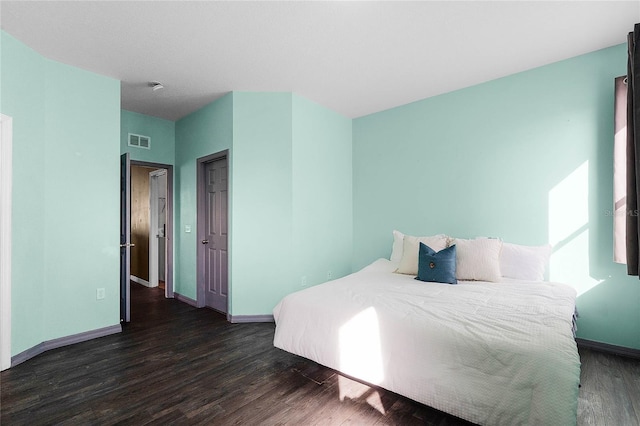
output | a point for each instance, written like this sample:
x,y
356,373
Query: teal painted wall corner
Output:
x,y
23,87
261,232
206,131
322,227
527,158
280,196
162,133
81,168
66,124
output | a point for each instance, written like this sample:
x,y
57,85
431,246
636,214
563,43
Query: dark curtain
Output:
x,y
633,151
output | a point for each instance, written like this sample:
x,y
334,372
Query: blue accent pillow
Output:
x,y
437,267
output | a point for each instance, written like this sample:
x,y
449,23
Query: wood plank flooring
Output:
x,y
610,392
175,364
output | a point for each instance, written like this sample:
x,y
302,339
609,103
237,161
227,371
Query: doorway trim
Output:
x,y
201,225
154,238
125,237
6,159
168,283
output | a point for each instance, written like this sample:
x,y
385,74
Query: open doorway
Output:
x,y
151,218
157,228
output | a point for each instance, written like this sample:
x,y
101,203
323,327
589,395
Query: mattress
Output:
x,y
491,353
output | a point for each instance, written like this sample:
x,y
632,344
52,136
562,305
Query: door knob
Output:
x,y
205,241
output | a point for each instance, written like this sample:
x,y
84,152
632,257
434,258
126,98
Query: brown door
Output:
x,y
214,240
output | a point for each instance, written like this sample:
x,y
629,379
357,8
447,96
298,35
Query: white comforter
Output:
x,y
491,353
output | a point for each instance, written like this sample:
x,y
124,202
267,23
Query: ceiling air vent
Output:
x,y
139,141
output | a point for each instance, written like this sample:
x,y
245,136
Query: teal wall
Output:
x,y
261,231
292,214
290,194
162,134
527,158
163,146
204,132
22,97
66,125
322,215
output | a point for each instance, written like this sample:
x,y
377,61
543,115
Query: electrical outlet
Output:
x,y
99,293
329,275
303,281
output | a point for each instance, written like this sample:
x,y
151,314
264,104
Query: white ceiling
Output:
x,y
353,57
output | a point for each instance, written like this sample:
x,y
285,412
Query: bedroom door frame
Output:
x,y
154,237
201,226
168,288
168,283
6,160
125,238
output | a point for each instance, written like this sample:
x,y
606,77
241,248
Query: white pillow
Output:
x,y
524,262
410,248
478,260
396,249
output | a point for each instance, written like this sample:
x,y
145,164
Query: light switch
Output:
x,y
187,228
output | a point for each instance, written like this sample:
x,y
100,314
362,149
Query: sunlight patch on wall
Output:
x,y
569,231
570,264
569,205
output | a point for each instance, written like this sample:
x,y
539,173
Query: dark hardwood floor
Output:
x,y
175,364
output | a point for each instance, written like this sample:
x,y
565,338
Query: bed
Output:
x,y
493,353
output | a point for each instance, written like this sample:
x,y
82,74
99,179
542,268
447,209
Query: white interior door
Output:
x,y
6,141
157,179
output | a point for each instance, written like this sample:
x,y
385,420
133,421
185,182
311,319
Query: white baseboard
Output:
x,y
141,281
